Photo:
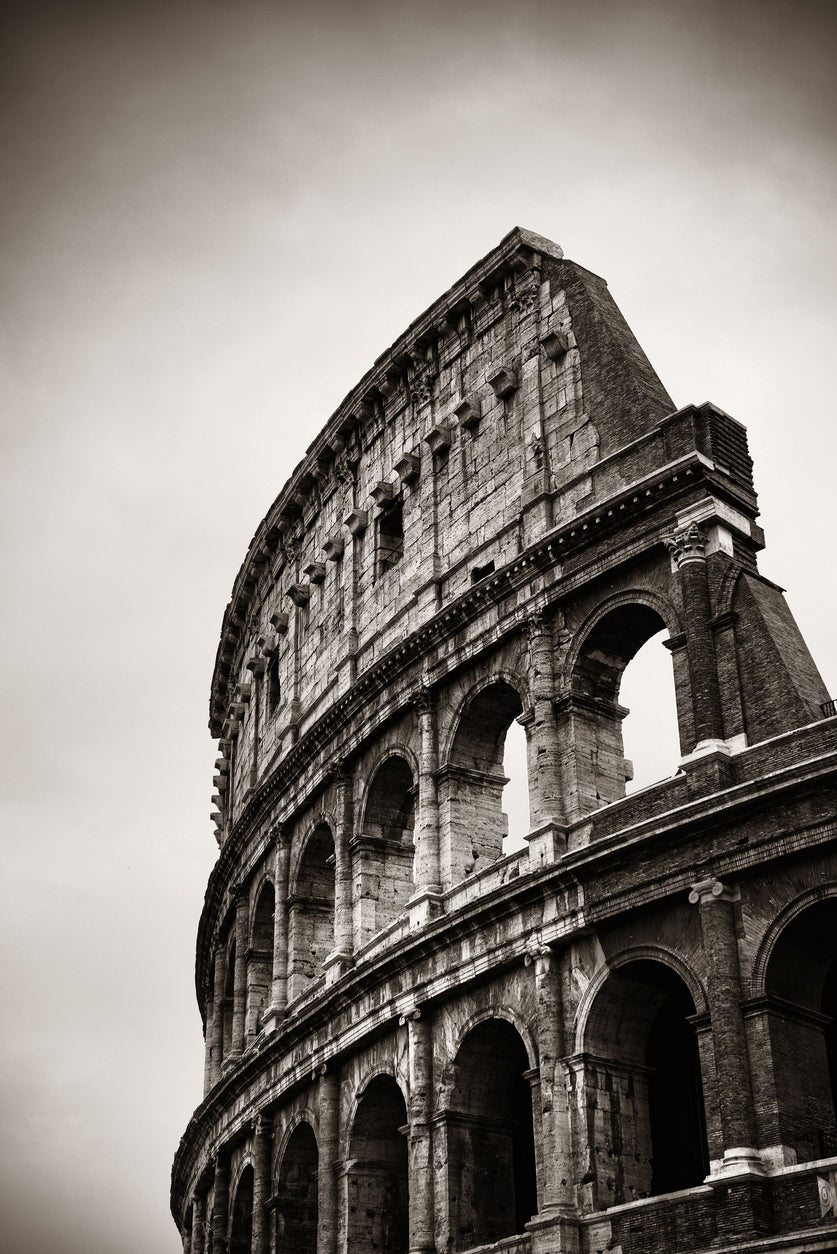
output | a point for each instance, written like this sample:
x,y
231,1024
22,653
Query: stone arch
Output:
x,y
602,647
794,1021
490,1132
311,909
501,675
296,1188
384,848
636,953
376,1180
774,930
241,1211
726,589
471,781
510,1015
639,1077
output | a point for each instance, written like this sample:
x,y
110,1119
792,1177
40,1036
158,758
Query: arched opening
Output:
x,y
377,1180
473,823
490,1135
641,1072
296,1193
241,1223
515,802
311,912
229,999
650,732
615,640
801,1019
260,959
384,881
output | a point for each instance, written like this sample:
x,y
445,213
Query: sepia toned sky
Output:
x,y
214,218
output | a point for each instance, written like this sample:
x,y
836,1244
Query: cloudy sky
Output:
x,y
214,217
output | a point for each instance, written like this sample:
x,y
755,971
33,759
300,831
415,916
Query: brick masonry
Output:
x,y
419,1039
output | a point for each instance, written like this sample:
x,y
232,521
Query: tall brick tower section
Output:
x,y
618,1032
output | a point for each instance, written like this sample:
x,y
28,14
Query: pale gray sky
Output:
x,y
215,217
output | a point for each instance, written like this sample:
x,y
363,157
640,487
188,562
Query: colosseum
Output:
x,y
612,1029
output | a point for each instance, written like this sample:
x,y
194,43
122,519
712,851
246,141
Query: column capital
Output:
x,y
280,834
687,545
410,1015
536,951
536,625
712,889
337,771
423,700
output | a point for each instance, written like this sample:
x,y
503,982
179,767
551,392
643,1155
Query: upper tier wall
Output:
x,y
470,438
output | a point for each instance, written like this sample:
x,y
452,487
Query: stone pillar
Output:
x,y
428,880
240,977
215,1023
420,1140
687,549
329,1120
198,1224
340,961
262,1146
556,1177
279,978
221,1204
735,1099
546,802
187,1241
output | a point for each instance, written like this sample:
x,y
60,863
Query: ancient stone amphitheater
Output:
x,y
615,1032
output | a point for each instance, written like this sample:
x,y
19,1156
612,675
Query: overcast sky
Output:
x,y
215,217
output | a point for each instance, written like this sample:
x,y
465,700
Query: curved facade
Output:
x,y
422,1034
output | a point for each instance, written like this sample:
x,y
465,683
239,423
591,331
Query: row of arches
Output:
x,y
641,1093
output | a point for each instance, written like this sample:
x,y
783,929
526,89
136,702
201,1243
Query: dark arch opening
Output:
x,y
296,1193
260,966
241,1226
474,824
378,1216
311,911
801,988
645,1085
612,643
387,846
491,1140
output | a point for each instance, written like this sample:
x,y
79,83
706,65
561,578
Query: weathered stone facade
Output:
x,y
620,1037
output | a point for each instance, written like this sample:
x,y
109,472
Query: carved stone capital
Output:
x,y
687,545
711,890
422,700
535,949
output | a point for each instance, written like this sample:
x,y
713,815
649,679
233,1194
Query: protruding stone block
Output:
x,y
408,468
300,593
555,344
279,619
314,572
333,547
504,383
469,412
438,438
357,521
382,492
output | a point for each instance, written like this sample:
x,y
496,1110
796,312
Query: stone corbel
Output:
x,y
314,572
469,412
243,693
555,344
357,521
280,621
408,468
222,765
237,709
300,593
333,547
381,493
256,665
438,438
268,642
220,782
504,383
